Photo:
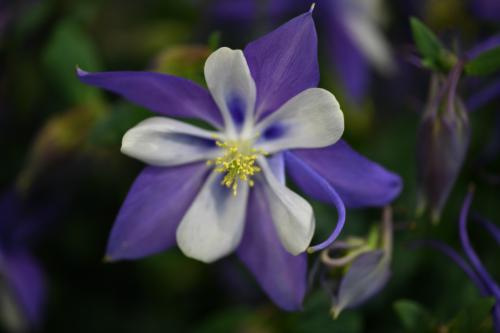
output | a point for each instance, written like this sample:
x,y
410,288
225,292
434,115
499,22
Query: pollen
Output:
x,y
238,163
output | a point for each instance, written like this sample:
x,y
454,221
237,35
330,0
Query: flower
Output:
x,y
474,268
22,289
217,191
352,29
354,270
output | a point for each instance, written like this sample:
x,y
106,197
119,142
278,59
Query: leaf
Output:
x,y
109,130
68,47
435,55
316,318
234,319
414,317
486,63
475,317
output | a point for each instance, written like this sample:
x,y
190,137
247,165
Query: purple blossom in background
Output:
x,y
214,192
351,30
473,266
486,9
22,289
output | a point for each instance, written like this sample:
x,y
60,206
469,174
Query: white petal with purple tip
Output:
x,y
232,87
213,225
293,217
162,141
311,119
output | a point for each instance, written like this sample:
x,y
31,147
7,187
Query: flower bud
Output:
x,y
354,270
442,142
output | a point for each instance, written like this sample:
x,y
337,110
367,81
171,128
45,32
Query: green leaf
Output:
x,y
316,317
475,317
414,317
68,47
435,55
109,130
486,63
233,319
214,40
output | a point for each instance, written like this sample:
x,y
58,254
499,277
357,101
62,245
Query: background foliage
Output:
x,y
60,140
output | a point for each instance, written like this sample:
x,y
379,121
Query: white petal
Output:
x,y
370,40
165,142
311,119
213,225
293,217
277,165
232,87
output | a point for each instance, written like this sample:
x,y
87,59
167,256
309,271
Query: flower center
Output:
x,y
238,163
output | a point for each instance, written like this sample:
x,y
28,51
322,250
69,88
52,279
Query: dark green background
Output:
x,y
63,139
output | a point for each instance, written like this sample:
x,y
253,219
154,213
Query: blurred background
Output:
x,y
62,174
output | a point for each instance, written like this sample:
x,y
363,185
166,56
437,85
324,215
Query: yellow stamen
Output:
x,y
238,163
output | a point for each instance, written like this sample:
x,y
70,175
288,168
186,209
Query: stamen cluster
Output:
x,y
238,163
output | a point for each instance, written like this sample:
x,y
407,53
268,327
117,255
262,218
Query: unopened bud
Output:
x,y
442,143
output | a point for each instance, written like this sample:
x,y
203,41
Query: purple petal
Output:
x,y
26,281
349,62
318,188
164,94
367,275
484,96
483,274
359,181
284,63
282,275
153,209
484,46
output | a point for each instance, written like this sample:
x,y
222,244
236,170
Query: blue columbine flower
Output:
x,y
22,289
352,30
474,268
213,192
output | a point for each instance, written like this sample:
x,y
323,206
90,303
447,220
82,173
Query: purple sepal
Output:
x,y
484,96
367,275
155,205
483,274
281,275
283,63
359,181
488,44
26,281
318,188
164,94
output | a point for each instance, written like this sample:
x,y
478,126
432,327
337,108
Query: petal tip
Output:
x,y
313,6
108,259
80,72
